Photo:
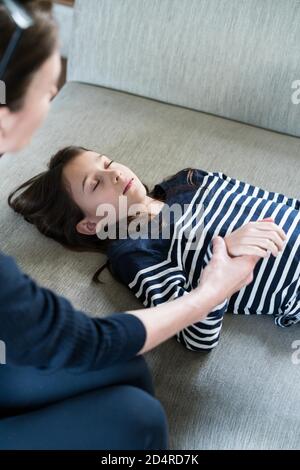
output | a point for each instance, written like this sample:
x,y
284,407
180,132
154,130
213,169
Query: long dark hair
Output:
x,y
45,202
36,45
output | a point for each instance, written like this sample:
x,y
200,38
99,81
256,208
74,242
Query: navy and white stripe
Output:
x,y
217,205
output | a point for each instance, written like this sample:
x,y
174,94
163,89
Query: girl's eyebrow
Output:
x,y
84,179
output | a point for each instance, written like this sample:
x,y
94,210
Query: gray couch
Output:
x,y
161,85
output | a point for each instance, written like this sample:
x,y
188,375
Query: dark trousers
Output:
x,y
110,409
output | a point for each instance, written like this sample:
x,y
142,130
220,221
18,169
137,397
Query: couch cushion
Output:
x,y
233,58
246,393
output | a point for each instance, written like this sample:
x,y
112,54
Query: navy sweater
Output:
x,y
43,330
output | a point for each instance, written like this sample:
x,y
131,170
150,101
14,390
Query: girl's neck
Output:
x,y
153,205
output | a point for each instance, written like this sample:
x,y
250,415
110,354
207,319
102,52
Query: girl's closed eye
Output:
x,y
96,185
107,165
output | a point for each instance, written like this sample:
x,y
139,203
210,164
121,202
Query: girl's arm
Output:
x,y
221,278
204,335
159,283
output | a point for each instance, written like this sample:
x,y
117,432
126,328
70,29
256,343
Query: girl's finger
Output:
x,y
267,245
259,235
253,250
264,244
273,227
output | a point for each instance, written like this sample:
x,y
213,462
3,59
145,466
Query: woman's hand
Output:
x,y
219,280
224,275
258,238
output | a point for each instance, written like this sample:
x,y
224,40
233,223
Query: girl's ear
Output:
x,y
86,227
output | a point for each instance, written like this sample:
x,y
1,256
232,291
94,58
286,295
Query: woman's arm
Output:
x,y
43,330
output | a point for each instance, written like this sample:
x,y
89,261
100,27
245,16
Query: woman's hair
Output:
x,y
45,201
35,46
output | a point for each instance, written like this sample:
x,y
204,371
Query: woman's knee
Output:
x,y
156,426
134,372
142,422
119,417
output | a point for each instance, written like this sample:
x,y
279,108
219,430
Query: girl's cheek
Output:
x,y
107,198
111,197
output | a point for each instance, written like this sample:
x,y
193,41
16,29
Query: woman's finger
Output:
x,y
248,280
219,247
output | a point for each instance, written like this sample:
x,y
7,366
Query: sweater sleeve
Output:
x,y
155,283
43,330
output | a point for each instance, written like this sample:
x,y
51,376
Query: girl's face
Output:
x,y
95,179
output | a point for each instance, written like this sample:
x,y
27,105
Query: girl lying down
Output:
x,y
62,202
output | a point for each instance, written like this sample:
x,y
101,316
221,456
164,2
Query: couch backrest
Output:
x,y
233,58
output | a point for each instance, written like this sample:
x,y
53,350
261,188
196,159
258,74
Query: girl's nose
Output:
x,y
116,176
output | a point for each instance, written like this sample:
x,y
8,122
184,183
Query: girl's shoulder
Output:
x,y
185,179
128,246
129,256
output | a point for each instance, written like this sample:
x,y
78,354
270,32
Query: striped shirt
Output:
x,y
162,269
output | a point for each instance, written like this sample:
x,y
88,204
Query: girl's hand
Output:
x,y
258,238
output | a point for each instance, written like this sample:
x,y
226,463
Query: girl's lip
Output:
x,y
128,185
